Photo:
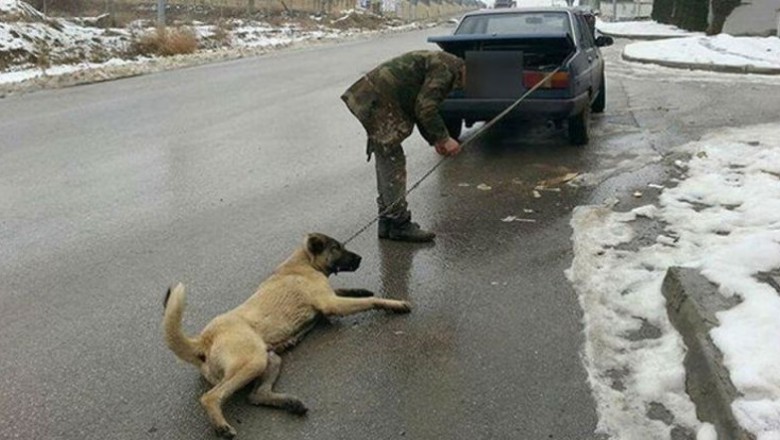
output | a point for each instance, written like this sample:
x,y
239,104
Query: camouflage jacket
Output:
x,y
402,92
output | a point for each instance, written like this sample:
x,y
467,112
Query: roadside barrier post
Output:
x,y
161,13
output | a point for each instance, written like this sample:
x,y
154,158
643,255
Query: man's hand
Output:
x,y
449,147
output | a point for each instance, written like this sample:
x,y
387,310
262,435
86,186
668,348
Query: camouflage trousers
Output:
x,y
391,182
386,127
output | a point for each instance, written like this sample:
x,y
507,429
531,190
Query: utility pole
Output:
x,y
161,13
614,10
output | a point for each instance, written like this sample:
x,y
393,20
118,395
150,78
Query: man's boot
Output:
x,y
383,227
403,230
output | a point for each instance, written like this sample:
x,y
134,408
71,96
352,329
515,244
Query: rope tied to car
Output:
x,y
465,143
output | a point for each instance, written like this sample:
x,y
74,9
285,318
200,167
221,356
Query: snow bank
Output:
x,y
642,28
723,218
720,49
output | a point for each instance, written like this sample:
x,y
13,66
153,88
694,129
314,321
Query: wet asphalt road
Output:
x,y
211,175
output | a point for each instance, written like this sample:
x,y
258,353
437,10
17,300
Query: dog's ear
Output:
x,y
315,243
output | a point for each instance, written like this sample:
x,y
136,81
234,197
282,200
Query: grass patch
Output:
x,y
165,42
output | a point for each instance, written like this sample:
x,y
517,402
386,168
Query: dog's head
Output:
x,y
329,256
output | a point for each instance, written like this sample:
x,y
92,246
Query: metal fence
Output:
x,y
126,10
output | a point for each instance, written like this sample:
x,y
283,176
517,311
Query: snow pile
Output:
x,y
722,218
722,49
643,28
19,9
28,38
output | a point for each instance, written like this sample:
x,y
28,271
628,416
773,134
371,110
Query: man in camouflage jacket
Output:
x,y
389,101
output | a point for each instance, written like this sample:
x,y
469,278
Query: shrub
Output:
x,y
165,42
662,11
692,15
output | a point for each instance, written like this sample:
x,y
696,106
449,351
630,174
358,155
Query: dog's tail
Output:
x,y
186,349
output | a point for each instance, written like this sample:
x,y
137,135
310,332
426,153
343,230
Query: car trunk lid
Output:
x,y
505,66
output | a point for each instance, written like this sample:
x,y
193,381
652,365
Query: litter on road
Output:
x,y
512,218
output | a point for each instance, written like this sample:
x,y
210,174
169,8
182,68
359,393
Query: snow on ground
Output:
x,y
675,46
722,49
662,74
722,217
28,74
27,37
642,28
55,52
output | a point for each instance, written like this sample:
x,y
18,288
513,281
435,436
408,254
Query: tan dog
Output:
x,y
237,347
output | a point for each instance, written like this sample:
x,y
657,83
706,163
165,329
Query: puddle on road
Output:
x,y
617,154
527,174
617,146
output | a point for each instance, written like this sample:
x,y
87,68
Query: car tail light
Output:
x,y
559,80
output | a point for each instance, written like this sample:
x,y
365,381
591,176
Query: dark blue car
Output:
x,y
508,51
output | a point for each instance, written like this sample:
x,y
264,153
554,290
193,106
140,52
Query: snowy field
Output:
x,y
723,218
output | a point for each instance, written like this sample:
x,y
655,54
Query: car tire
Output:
x,y
600,103
579,127
454,127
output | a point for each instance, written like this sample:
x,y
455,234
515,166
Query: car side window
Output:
x,y
583,32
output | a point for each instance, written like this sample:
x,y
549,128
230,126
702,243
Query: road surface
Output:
x,y
111,192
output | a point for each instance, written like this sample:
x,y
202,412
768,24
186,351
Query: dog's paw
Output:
x,y
402,307
295,406
226,431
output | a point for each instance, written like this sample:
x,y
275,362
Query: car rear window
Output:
x,y
525,23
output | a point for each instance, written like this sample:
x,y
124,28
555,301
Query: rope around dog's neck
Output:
x,y
468,141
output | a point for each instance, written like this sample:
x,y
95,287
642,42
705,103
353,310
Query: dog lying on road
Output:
x,y
239,346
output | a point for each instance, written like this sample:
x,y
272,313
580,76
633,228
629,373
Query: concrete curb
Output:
x,y
691,303
709,67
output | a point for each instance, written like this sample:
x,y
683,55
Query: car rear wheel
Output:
x,y
454,127
579,127
600,103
